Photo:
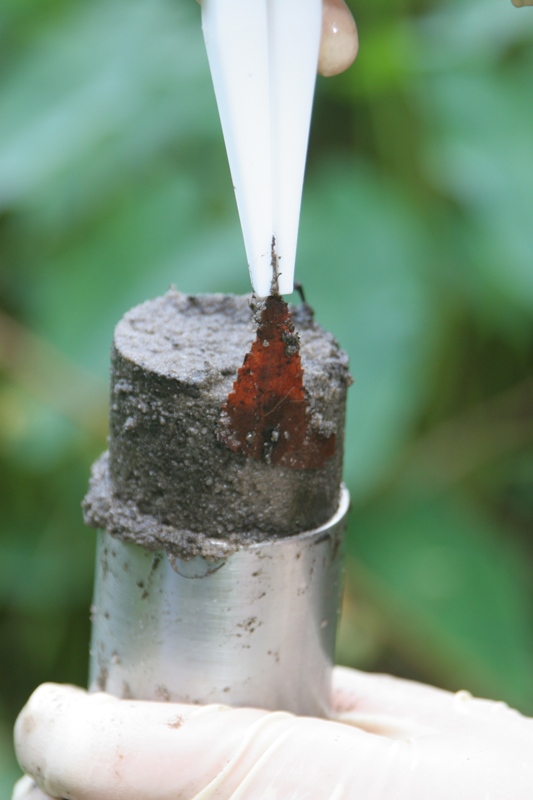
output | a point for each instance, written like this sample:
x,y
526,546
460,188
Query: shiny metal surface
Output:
x,y
257,628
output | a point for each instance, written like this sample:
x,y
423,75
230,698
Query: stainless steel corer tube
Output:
x,y
218,574
255,628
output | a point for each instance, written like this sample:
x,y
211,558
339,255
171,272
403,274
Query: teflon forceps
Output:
x,y
263,56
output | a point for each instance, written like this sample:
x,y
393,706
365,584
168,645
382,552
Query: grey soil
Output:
x,y
166,481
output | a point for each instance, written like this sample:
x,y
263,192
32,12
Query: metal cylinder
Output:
x,y
255,628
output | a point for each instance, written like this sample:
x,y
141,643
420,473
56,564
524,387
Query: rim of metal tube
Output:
x,y
342,510
278,541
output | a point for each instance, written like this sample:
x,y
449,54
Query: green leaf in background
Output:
x,y
453,589
94,96
362,255
476,105
8,770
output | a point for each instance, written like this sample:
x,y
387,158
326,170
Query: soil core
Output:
x,y
167,481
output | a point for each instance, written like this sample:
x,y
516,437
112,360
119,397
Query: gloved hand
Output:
x,y
340,42
388,739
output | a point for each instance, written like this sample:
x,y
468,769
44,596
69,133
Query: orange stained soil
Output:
x,y
266,415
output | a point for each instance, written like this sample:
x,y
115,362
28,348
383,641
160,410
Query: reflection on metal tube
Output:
x,y
256,628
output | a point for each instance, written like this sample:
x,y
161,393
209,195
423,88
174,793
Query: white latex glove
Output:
x,y
395,740
340,41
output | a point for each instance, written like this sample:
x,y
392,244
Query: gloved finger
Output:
x,y
79,745
26,789
396,707
354,690
96,747
339,44
386,706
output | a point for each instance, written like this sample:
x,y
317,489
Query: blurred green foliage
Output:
x,y
416,249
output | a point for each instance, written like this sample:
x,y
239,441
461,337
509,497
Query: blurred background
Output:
x,y
416,250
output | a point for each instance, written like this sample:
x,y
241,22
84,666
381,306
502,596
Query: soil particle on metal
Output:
x,y
166,481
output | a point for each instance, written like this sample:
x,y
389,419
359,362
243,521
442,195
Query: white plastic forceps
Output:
x,y
263,56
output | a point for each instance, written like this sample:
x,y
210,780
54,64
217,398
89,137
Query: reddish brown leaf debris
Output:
x,y
266,415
